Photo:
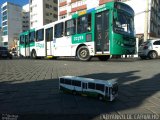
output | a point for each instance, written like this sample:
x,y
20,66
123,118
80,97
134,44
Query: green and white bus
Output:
x,y
101,89
27,43
102,31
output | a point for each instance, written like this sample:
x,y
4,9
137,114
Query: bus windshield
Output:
x,y
124,24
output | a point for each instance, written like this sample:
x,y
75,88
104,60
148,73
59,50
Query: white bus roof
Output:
x,y
108,82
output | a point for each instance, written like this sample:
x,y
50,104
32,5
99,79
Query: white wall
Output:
x,y
93,4
25,8
5,38
36,15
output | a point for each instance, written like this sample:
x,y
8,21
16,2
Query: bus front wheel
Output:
x,y
100,97
33,54
83,54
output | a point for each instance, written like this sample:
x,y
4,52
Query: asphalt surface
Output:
x,y
29,89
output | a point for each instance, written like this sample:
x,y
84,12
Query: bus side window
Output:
x,y
49,34
107,90
70,27
31,37
40,35
27,39
91,85
100,87
58,30
67,81
84,24
62,80
22,39
76,83
89,23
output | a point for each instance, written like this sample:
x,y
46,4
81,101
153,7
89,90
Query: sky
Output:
x,y
19,2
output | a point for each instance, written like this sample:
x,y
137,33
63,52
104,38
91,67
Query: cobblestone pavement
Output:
x,y
29,89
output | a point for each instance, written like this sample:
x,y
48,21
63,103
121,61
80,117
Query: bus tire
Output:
x,y
100,97
34,54
74,92
104,58
83,53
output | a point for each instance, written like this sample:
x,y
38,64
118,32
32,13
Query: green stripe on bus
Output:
x,y
31,45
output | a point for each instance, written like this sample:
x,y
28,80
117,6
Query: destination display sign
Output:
x,y
124,7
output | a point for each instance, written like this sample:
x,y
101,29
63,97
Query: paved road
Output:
x,y
29,89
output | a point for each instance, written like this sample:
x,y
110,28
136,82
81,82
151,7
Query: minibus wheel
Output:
x,y
33,54
100,97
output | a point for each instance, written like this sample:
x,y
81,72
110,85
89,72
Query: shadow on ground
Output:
x,y
41,100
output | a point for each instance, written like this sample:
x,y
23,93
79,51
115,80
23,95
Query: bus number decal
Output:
x,y
100,10
40,45
78,39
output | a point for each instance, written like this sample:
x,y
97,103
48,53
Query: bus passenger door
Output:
x,y
49,38
27,46
84,87
102,32
22,46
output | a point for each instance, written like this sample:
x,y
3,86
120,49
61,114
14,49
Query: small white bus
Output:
x,y
103,90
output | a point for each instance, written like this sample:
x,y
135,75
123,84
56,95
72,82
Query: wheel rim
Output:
x,y
153,55
83,53
33,55
100,98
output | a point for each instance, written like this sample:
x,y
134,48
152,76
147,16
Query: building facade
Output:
x,y
25,18
159,23
11,23
1,43
42,12
69,7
